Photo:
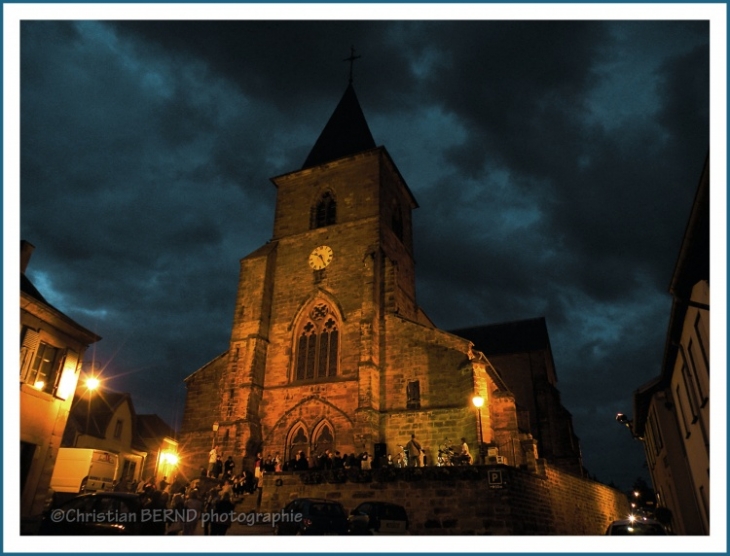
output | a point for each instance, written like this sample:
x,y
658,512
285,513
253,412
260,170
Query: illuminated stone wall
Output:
x,y
476,500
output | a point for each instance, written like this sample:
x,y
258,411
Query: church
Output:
x,y
329,349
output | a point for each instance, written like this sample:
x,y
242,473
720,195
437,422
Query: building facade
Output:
x,y
329,349
52,347
672,412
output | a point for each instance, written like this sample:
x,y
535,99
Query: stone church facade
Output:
x,y
329,348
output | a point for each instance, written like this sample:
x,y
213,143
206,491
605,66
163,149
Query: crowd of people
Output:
x,y
191,500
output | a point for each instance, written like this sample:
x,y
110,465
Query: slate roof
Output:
x,y
93,414
26,286
152,426
345,134
508,337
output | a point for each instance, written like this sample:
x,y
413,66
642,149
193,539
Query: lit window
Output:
x,y
42,373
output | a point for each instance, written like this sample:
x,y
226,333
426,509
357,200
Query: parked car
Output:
x,y
313,516
378,518
100,513
636,526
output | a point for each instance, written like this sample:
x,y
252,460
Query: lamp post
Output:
x,y
215,432
478,402
91,383
622,419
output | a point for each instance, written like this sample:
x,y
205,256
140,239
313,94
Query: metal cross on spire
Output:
x,y
351,59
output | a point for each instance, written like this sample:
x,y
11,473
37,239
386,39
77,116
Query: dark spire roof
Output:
x,y
346,133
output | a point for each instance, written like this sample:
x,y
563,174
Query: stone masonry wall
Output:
x,y
202,408
470,500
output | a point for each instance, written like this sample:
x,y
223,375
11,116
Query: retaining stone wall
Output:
x,y
470,500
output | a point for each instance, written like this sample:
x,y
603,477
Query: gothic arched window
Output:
x,y
317,352
298,441
324,213
323,438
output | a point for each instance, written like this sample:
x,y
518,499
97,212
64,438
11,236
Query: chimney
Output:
x,y
26,250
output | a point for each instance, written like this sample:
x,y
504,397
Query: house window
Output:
x,y
690,353
691,395
682,413
317,351
28,347
118,429
650,448
324,213
44,368
656,432
413,395
701,340
128,470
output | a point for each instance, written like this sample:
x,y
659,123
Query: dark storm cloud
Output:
x,y
554,164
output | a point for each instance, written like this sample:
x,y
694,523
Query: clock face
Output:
x,y
320,257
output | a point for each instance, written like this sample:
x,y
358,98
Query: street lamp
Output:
x,y
622,419
215,432
478,402
91,383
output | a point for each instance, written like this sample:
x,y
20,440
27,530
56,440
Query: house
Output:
x,y
105,420
672,411
52,348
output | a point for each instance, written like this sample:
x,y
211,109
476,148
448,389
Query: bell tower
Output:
x,y
307,338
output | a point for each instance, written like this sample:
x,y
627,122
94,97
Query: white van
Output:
x,y
84,470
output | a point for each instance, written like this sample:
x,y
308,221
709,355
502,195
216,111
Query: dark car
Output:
x,y
313,516
636,526
378,518
100,513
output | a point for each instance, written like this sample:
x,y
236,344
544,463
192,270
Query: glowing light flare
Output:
x,y
169,458
92,383
39,384
478,401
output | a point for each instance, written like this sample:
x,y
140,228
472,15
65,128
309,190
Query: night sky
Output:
x,y
554,162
